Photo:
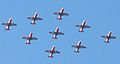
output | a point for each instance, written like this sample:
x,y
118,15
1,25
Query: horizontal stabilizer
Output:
x,y
54,37
76,51
50,56
7,29
59,18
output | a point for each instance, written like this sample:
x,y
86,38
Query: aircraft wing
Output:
x,y
26,38
87,26
52,32
33,38
57,52
83,47
78,25
103,36
38,18
47,51
56,13
13,24
60,33
29,18
65,14
4,24
112,37
73,46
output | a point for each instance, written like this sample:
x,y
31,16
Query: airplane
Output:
x,y
78,46
61,13
55,33
34,18
52,51
29,38
108,36
8,24
82,26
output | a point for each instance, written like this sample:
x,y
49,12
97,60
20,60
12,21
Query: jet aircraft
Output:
x,y
78,46
61,13
8,24
34,18
82,26
52,51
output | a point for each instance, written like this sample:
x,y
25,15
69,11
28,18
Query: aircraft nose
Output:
x,y
62,8
53,45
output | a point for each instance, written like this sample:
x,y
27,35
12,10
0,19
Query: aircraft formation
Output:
x,y
57,32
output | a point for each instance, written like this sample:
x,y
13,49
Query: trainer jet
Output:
x,y
78,46
52,51
34,18
8,24
29,38
55,33
82,26
108,36
61,13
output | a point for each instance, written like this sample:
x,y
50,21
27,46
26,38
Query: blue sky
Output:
x,y
102,16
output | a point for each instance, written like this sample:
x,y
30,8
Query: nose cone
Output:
x,y
10,19
57,27
84,21
62,8
30,34
110,32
